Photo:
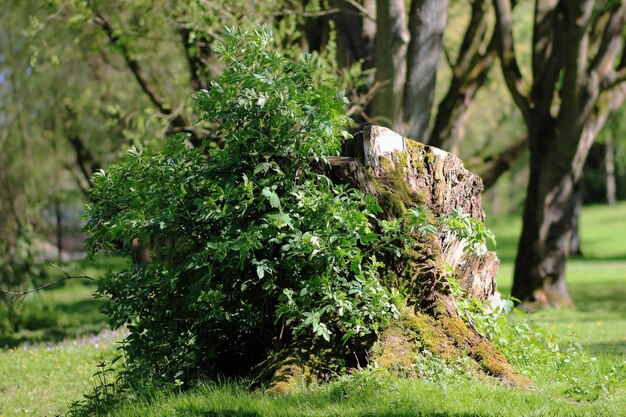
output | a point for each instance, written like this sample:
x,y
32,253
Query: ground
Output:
x,y
45,368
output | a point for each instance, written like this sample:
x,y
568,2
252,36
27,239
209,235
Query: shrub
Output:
x,y
251,247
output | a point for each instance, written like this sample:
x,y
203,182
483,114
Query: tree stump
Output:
x,y
401,174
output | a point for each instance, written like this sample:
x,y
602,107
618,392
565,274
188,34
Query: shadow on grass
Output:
x,y
200,411
50,322
615,349
610,258
193,411
599,298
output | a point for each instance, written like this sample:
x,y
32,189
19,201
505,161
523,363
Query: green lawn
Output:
x,y
596,282
40,375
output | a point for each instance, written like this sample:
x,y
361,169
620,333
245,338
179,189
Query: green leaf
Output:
x,y
272,197
260,271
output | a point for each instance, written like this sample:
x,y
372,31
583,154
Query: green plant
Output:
x,y
252,247
471,231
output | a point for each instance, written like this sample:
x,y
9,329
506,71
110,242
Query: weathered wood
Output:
x,y
412,174
416,174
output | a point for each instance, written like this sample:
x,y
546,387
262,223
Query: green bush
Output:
x,y
251,247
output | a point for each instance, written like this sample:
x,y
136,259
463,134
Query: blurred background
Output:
x,y
83,81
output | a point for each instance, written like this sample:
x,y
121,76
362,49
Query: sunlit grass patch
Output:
x,y
41,379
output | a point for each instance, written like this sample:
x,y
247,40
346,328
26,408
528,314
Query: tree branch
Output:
x,y
133,65
503,161
194,59
176,120
610,44
506,50
17,295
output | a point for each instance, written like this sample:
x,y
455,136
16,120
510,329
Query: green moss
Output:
x,y
427,331
395,351
418,154
287,378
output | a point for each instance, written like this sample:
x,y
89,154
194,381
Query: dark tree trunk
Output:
x,y
390,46
427,20
550,211
578,72
354,37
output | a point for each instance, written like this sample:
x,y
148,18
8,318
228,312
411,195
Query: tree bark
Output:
x,y
390,47
609,162
354,38
574,244
580,89
469,72
427,20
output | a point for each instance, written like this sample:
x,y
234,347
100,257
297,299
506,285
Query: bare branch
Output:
x,y
19,295
502,162
610,43
616,78
362,10
176,120
133,65
506,51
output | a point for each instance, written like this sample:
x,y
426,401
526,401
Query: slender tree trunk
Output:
x,y
390,46
574,244
427,20
473,63
59,219
354,37
609,162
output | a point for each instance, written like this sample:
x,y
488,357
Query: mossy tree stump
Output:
x,y
401,174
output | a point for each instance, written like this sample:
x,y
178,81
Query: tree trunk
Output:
x,y
59,228
578,72
402,174
427,20
574,244
555,168
390,46
354,39
609,162
469,73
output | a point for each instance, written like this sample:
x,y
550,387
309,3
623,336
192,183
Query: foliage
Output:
x,y
471,231
251,246
17,271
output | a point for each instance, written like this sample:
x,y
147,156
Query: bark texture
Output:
x,y
427,20
578,79
392,37
401,174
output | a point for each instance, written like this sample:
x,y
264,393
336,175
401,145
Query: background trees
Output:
x,y
578,79
83,80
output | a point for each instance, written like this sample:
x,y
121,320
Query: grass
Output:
x,y
67,310
597,282
40,379
40,376
61,338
